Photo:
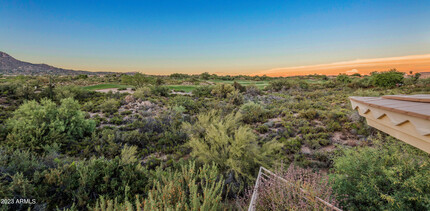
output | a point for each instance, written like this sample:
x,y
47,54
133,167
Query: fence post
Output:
x,y
254,193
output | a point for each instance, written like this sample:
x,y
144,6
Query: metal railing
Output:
x,y
265,172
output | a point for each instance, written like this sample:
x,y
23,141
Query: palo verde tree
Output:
x,y
228,143
138,80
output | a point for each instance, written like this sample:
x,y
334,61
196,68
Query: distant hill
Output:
x,y
12,66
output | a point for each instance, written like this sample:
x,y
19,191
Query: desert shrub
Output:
x,y
160,91
222,90
35,125
253,90
110,106
387,177
202,91
232,146
83,182
343,78
142,92
189,188
185,102
279,84
89,106
239,87
298,191
309,114
263,129
292,145
253,112
116,120
330,84
205,76
303,85
388,79
235,98
424,82
76,92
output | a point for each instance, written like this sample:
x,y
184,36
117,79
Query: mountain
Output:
x,y
12,66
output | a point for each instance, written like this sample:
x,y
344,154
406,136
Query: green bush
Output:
x,y
253,112
280,84
388,79
75,92
222,90
391,176
83,182
142,92
235,98
343,78
110,106
185,102
202,91
160,91
35,125
263,129
190,188
233,147
309,114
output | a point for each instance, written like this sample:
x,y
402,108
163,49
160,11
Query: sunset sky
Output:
x,y
223,37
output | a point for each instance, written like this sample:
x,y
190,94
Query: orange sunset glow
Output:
x,y
415,63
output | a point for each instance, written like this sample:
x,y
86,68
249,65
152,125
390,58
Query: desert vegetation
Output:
x,y
196,142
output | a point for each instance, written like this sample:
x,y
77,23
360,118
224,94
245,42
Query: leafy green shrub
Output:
x,y
292,145
190,188
202,91
82,182
233,147
35,125
309,114
239,87
75,92
263,129
222,90
160,91
343,78
391,176
303,85
388,79
110,106
253,112
280,84
235,98
185,102
142,92
89,106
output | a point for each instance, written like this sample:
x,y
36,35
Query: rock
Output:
x,y
269,123
343,137
305,150
129,99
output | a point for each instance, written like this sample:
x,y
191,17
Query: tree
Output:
x,y
138,80
205,76
36,125
232,146
388,79
343,78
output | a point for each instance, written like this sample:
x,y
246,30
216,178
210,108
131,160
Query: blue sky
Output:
x,y
161,37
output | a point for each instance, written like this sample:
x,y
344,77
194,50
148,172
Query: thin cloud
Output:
x,y
416,63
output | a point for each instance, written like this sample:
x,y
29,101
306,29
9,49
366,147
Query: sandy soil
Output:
x,y
128,90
